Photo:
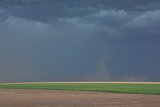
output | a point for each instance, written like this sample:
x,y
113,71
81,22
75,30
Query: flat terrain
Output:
x,y
152,88
52,98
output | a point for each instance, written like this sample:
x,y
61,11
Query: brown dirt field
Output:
x,y
51,98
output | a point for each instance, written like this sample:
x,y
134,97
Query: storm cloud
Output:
x,y
76,40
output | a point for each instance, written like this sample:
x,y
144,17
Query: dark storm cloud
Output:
x,y
52,9
58,40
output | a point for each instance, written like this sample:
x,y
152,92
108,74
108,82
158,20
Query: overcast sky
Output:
x,y
79,40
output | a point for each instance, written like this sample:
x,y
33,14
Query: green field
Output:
x,y
95,87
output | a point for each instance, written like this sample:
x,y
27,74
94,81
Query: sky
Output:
x,y
79,40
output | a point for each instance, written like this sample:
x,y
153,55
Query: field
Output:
x,y
126,87
79,94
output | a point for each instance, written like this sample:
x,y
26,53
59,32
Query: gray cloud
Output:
x,y
3,16
148,19
69,40
52,9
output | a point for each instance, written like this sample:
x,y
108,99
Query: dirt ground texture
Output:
x,y
52,98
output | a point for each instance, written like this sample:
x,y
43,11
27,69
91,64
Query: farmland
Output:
x,y
129,88
80,94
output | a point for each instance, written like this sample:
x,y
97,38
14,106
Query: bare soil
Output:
x,y
51,98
